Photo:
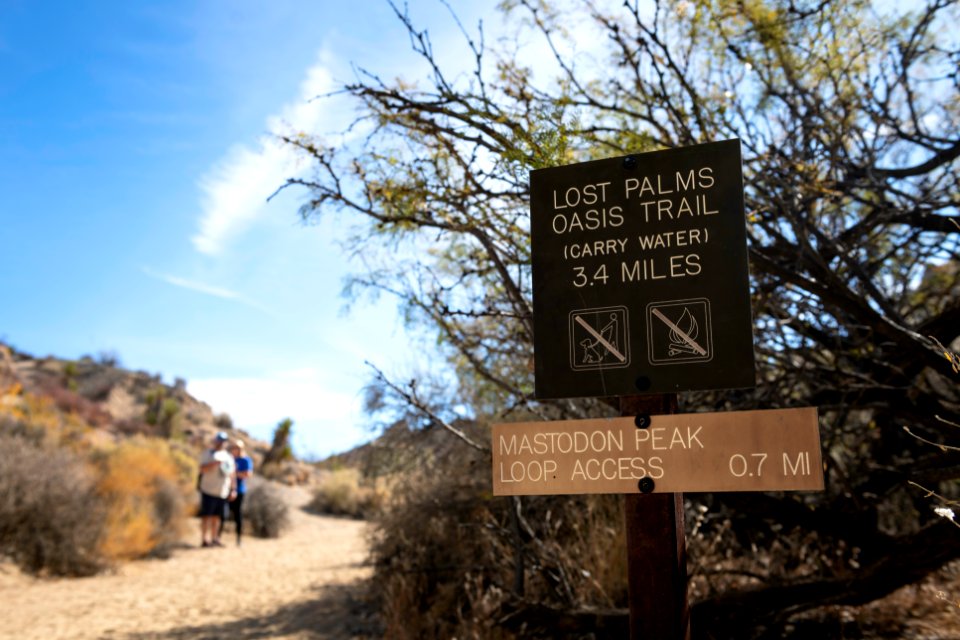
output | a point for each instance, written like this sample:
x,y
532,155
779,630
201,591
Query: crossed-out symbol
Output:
x,y
691,344
599,338
679,331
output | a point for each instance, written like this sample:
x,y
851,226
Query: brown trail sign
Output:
x,y
773,450
640,274
640,285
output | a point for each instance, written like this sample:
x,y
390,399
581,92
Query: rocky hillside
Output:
x,y
119,403
402,448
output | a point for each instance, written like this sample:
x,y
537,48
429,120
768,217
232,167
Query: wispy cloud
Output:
x,y
199,287
204,288
236,189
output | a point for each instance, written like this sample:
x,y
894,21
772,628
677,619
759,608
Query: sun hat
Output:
x,y
238,444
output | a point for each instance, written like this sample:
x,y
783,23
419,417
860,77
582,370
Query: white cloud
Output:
x,y
303,396
326,418
236,189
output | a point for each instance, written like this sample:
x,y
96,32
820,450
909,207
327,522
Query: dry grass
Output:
x,y
345,493
39,419
928,610
449,557
144,488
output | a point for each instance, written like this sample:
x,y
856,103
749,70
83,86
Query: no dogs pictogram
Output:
x,y
599,338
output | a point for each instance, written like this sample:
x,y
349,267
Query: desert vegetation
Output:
x,y
847,116
847,113
49,522
345,492
146,486
266,511
82,489
74,505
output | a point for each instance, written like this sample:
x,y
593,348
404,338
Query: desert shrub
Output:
x,y
70,371
280,449
278,463
273,470
153,398
143,484
162,412
97,381
266,511
185,460
108,358
39,418
344,493
11,426
450,560
223,422
51,517
169,419
133,426
70,401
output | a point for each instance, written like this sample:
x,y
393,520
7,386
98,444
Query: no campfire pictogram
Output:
x,y
599,338
679,331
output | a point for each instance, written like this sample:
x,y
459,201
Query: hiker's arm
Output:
x,y
246,473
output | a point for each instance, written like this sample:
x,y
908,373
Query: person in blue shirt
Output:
x,y
244,466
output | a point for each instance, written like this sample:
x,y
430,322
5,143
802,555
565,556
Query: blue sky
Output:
x,y
135,163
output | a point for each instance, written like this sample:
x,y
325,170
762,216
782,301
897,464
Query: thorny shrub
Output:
x,y
51,516
266,511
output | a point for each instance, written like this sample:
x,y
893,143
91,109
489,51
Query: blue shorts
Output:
x,y
212,505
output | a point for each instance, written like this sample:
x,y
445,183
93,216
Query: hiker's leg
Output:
x,y
207,518
208,526
237,506
221,512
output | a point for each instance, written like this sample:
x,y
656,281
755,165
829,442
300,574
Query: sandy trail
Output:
x,y
302,585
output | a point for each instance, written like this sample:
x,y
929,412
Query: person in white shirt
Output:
x,y
218,485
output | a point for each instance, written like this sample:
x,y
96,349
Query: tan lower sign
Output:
x,y
772,450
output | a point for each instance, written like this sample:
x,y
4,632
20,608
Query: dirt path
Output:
x,y
302,585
